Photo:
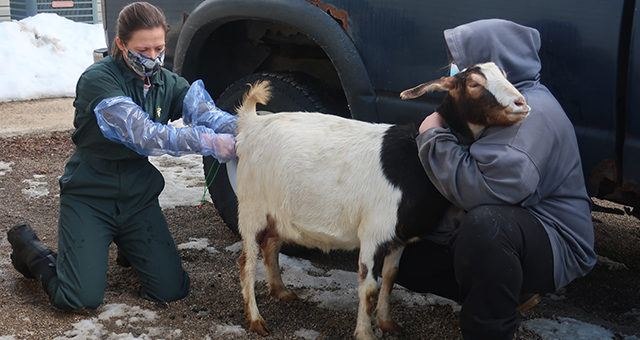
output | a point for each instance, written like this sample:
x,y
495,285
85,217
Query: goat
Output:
x,y
334,183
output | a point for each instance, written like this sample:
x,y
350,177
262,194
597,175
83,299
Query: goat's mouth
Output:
x,y
519,114
518,117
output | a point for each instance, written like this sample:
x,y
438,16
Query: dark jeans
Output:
x,y
498,254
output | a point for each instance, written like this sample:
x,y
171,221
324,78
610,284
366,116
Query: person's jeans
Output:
x,y
497,254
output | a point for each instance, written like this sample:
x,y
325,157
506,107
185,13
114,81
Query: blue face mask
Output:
x,y
143,65
454,70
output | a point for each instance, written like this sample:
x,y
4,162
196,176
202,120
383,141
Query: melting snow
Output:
x,y
4,168
198,243
36,189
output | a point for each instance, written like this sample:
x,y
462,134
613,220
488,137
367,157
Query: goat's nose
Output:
x,y
520,102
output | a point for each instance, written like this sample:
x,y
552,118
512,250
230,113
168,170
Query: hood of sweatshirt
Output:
x,y
513,47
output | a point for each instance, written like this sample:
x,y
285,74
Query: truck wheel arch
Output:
x,y
323,29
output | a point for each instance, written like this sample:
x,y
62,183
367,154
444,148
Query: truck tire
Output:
x,y
290,92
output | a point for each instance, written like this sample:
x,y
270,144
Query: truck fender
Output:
x,y
302,15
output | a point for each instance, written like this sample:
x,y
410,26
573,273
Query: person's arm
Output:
x,y
123,121
483,174
199,109
431,121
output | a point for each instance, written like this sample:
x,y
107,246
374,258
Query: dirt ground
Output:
x,y
35,116
609,296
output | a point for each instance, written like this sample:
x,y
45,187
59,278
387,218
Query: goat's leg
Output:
x,y
389,273
247,263
367,292
271,251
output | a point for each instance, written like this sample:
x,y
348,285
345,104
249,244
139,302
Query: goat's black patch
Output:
x,y
451,114
422,206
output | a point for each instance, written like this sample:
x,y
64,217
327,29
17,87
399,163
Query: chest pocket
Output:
x,y
157,105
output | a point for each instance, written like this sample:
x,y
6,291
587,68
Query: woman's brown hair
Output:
x,y
137,16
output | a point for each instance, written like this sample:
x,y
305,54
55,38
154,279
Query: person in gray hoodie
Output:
x,y
527,226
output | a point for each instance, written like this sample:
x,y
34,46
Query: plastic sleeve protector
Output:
x,y
198,108
123,121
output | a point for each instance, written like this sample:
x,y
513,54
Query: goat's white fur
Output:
x,y
504,92
312,189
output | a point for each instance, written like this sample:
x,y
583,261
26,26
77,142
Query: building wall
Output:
x,y
4,10
5,13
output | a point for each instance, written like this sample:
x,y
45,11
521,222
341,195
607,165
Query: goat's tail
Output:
x,y
259,92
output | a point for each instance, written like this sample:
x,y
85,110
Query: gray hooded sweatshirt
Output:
x,y
535,164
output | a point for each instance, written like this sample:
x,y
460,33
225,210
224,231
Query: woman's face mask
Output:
x,y
143,65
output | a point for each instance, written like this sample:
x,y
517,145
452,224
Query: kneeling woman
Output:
x,y
109,190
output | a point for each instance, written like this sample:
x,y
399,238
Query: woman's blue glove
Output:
x,y
123,121
199,109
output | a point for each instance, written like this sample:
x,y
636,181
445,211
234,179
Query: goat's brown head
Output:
x,y
479,96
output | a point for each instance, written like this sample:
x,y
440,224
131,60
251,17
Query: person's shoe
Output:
x,y
44,269
26,247
528,301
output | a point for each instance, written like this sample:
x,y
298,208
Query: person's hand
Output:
x,y
431,121
223,145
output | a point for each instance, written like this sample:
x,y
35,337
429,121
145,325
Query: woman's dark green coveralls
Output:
x,y
109,193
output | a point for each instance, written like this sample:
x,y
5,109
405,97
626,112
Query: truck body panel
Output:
x,y
378,48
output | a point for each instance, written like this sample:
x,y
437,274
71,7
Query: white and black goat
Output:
x,y
333,183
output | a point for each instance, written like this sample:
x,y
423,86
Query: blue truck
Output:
x,y
353,58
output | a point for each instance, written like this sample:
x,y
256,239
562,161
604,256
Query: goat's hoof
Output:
x,y
288,296
284,294
365,334
260,327
390,326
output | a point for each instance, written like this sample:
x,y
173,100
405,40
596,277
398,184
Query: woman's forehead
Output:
x,y
149,38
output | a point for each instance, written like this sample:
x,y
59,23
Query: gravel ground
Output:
x,y
609,296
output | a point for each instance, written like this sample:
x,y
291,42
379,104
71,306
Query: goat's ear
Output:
x,y
442,84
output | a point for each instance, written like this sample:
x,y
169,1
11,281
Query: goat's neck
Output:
x,y
465,140
476,130
453,120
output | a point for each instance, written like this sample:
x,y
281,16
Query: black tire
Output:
x,y
290,92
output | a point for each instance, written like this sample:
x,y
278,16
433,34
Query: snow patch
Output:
x,y
229,330
198,243
36,189
44,55
338,289
134,318
4,168
131,314
235,248
184,179
567,328
307,334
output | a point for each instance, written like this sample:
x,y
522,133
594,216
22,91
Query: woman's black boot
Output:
x,y
26,248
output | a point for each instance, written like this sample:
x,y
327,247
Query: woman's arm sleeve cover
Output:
x,y
123,121
198,108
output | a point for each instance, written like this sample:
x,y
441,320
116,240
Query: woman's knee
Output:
x,y
69,299
169,290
